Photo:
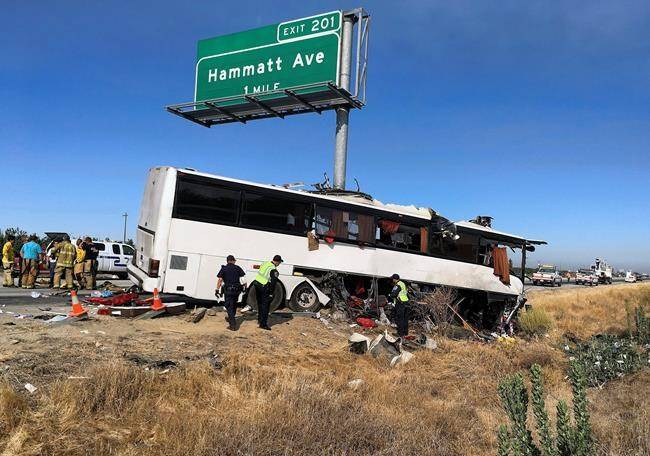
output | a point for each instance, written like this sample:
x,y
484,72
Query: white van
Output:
x,y
113,258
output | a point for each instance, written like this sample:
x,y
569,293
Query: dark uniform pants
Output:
x,y
401,317
90,273
263,303
231,306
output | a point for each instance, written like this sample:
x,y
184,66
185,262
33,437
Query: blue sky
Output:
x,y
537,113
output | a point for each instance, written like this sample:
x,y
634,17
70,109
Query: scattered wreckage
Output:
x,y
337,245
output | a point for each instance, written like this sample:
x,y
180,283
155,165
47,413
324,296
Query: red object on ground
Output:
x,y
104,310
115,300
366,322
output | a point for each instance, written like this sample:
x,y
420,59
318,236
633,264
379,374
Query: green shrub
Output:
x,y
570,440
535,321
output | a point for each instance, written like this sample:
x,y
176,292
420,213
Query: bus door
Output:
x,y
181,273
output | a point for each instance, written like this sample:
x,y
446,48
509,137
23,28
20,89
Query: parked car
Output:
x,y
586,277
547,275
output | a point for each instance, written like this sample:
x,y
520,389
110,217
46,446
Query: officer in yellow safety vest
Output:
x,y
264,285
400,299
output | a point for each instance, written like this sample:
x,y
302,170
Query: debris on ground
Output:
x,y
366,322
355,384
383,346
214,361
402,358
212,312
197,314
31,388
149,363
358,343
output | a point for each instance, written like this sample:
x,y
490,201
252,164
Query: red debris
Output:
x,y
118,300
366,322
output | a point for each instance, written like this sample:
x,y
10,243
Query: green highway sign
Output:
x,y
276,57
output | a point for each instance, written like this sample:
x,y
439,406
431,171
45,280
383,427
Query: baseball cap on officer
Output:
x,y
395,277
278,258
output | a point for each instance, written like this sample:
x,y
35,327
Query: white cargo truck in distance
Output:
x,y
602,270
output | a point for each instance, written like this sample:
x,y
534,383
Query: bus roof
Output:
x,y
412,211
494,234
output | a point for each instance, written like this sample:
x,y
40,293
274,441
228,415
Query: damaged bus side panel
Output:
x,y
190,221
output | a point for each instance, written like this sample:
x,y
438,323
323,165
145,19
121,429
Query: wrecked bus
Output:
x,y
190,221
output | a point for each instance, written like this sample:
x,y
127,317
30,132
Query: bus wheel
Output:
x,y
278,298
304,299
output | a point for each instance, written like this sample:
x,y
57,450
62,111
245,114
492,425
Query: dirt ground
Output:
x,y
167,386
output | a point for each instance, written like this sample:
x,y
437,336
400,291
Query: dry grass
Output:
x,y
295,399
586,311
535,321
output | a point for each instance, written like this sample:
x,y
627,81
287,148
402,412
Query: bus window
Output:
x,y
275,213
464,249
205,202
350,226
395,234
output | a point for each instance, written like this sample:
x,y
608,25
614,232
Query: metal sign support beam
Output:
x,y
343,113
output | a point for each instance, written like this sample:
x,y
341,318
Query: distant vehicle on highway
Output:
x,y
547,274
602,270
586,277
630,277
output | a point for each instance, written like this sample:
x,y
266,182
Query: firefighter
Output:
x,y
264,285
8,261
400,299
65,256
230,277
90,263
79,263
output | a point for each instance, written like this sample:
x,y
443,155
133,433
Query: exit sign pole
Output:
x,y
343,113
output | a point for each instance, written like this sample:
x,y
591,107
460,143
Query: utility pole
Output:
x,y
125,215
343,113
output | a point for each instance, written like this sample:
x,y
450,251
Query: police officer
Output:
x,y
264,285
400,300
230,277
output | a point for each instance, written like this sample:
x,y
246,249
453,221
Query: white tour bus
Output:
x,y
190,221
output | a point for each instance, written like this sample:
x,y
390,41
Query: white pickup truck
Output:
x,y
113,257
547,274
586,277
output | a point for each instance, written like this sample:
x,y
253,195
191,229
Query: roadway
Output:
x,y
20,300
565,284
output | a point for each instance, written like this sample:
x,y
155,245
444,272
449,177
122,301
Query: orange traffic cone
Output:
x,y
157,303
77,309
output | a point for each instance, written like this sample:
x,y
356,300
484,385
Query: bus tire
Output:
x,y
304,299
278,298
